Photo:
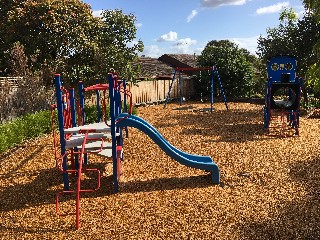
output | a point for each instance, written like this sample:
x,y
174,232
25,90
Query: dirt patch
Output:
x,y
269,184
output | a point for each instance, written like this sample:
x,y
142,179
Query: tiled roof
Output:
x,y
179,60
153,68
163,67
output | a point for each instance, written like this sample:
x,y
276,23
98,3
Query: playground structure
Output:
x,y
78,139
213,72
283,94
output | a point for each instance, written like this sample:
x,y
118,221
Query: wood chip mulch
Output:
x,y
270,185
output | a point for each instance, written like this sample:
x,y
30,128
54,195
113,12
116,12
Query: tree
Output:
x,y
279,40
235,69
313,7
51,32
30,96
294,37
63,36
116,47
5,7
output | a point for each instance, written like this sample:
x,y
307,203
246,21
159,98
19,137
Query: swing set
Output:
x,y
213,74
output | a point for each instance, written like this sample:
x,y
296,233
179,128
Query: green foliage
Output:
x,y
29,126
313,78
311,103
50,31
279,40
92,113
313,8
64,37
294,37
116,47
235,66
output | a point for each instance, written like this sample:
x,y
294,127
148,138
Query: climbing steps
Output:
x,y
77,140
283,123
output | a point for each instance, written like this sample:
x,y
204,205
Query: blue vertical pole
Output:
x,y
81,99
73,107
211,88
74,122
221,87
118,100
118,130
57,84
180,87
98,103
124,96
113,133
83,115
172,81
267,104
125,104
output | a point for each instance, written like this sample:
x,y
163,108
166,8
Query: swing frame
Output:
x,y
214,71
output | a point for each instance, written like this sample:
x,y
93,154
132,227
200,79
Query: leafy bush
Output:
x,y
33,125
29,126
28,94
312,103
92,113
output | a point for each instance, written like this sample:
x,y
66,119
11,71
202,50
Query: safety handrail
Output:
x,y
79,172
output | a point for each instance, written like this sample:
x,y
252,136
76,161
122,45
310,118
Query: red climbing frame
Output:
x,y
76,157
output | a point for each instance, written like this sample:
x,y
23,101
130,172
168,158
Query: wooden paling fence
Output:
x,y
157,90
149,91
11,82
154,91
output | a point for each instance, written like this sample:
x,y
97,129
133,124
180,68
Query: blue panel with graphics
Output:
x,y
282,69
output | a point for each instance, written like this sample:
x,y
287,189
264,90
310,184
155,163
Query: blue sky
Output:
x,y
186,26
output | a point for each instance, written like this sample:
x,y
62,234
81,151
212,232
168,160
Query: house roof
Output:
x,y
153,68
179,60
163,67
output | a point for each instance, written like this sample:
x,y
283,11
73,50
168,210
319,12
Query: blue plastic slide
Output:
x,y
195,161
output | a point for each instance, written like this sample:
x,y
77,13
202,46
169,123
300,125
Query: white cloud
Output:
x,y
186,42
272,9
199,50
192,15
184,46
152,51
249,43
138,25
218,3
169,37
181,46
97,13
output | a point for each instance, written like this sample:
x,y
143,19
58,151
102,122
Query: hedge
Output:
x,y
31,126
23,128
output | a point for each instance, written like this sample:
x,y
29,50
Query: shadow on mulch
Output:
x,y
47,183
32,230
173,183
228,125
294,219
44,187
38,150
